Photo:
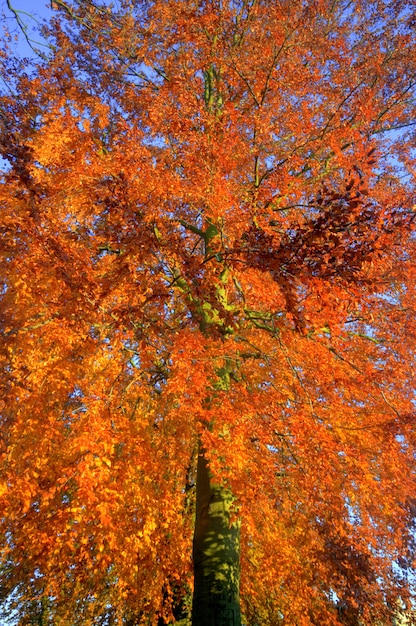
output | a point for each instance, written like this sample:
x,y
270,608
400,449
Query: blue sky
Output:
x,y
30,13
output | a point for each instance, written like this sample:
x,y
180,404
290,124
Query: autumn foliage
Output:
x,y
207,233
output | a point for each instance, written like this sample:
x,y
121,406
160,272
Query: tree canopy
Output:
x,y
207,235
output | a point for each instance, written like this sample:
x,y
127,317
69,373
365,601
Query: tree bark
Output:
x,y
216,554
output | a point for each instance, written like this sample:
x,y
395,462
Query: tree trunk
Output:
x,y
216,554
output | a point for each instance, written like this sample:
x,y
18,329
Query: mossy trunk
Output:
x,y
216,554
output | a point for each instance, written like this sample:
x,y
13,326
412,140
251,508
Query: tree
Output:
x,y
208,278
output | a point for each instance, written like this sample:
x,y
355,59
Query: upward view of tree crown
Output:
x,y
207,214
